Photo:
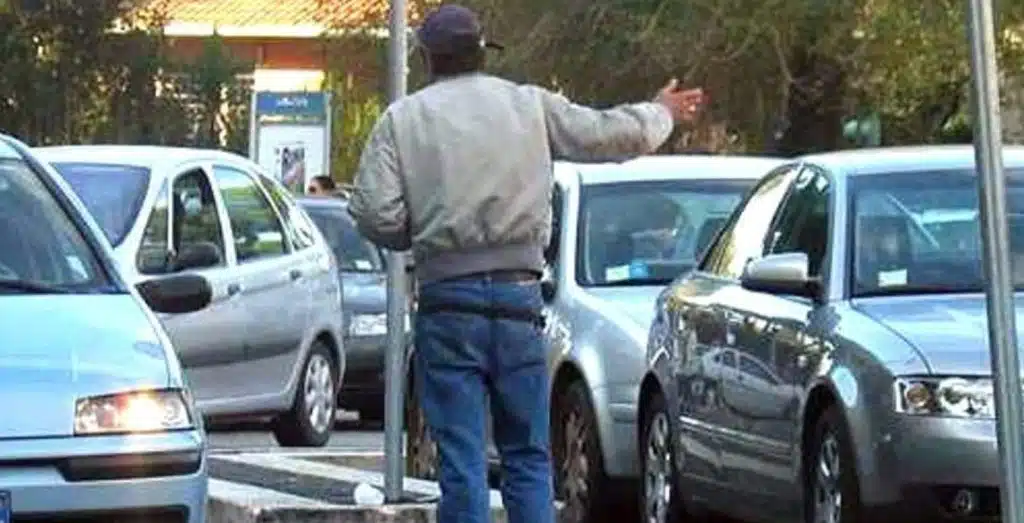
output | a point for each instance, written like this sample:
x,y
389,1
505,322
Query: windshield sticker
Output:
x,y
892,278
617,273
364,265
639,270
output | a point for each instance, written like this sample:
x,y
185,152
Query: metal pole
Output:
x,y
995,240
394,384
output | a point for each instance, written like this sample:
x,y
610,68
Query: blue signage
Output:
x,y
295,107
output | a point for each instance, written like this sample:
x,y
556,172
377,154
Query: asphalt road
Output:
x,y
349,435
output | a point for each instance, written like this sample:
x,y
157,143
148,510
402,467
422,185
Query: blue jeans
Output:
x,y
464,360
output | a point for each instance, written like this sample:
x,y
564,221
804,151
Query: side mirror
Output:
x,y
781,274
177,294
197,256
547,287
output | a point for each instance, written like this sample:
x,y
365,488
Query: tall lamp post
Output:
x,y
394,381
999,291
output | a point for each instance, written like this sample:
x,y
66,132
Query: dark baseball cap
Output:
x,y
451,28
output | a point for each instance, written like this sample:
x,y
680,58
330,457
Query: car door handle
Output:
x,y
294,274
234,289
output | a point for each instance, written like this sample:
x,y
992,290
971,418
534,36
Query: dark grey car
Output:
x,y
361,267
828,359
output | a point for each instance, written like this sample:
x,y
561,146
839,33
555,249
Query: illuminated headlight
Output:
x,y
955,397
141,411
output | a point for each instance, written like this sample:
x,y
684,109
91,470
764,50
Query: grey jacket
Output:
x,y
461,171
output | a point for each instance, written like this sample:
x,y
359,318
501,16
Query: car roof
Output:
x,y
887,160
153,157
669,167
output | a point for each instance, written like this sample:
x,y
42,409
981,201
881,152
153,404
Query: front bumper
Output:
x,y
941,469
156,478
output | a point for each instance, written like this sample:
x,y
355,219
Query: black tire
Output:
x,y
420,449
586,496
830,432
672,510
296,428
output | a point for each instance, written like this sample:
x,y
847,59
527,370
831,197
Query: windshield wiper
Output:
x,y
904,290
635,282
31,287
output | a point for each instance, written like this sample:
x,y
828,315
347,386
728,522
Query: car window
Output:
x,y
113,193
256,228
891,209
742,239
195,222
353,252
649,232
301,230
154,249
803,222
728,359
751,367
41,245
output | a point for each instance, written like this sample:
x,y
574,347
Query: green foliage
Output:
x,y
99,72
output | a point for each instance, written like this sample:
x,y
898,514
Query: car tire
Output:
x,y
311,419
830,470
660,500
580,480
420,450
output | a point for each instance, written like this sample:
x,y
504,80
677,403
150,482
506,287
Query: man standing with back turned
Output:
x,y
461,173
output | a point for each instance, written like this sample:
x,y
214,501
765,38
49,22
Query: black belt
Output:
x,y
490,312
504,276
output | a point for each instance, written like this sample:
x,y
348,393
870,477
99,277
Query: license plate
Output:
x,y
5,506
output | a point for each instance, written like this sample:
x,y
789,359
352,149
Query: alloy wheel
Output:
x,y
657,471
574,468
828,494
318,391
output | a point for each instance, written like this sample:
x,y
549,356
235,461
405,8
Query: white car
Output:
x,y
97,423
271,340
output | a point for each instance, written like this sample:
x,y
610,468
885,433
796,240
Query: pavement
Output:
x,y
252,480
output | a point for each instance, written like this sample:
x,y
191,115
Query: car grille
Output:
x,y
169,515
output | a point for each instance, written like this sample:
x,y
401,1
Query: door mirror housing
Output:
x,y
177,294
197,255
784,273
548,287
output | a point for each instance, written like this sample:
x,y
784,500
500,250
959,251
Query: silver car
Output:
x,y
829,360
271,341
97,422
361,266
622,232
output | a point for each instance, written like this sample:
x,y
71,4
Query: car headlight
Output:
x,y
955,397
139,411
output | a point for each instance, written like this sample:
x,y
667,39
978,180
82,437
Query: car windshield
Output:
x,y
42,249
353,252
649,232
112,193
918,232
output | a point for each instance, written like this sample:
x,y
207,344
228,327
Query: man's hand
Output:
x,y
684,105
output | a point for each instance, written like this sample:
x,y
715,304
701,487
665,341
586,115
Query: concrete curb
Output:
x,y
241,503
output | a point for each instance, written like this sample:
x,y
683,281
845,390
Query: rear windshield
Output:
x,y
353,252
112,193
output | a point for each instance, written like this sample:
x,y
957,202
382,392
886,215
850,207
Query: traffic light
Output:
x,y
864,130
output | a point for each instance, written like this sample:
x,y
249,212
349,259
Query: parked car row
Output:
x,y
805,335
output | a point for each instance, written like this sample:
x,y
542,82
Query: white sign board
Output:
x,y
291,135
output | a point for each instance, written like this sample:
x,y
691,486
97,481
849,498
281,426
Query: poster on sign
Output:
x,y
291,136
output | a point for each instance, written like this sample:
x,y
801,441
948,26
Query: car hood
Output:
x,y
950,331
56,349
633,303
